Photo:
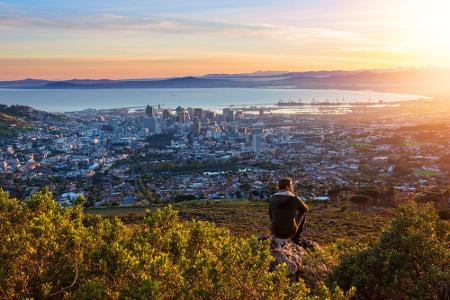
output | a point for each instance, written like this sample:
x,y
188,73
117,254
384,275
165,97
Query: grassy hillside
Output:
x,y
19,117
10,124
244,218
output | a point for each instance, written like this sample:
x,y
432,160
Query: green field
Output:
x,y
325,223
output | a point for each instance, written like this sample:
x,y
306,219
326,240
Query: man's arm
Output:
x,y
303,207
270,212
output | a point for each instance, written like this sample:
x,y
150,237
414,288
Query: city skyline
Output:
x,y
144,39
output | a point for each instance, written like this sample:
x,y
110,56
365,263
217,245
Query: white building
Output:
x,y
257,143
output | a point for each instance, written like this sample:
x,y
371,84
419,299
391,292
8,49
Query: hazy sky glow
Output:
x,y
58,39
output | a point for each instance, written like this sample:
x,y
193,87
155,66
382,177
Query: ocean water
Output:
x,y
64,100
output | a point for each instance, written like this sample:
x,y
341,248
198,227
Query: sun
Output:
x,y
426,31
432,19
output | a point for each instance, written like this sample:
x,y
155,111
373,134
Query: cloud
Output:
x,y
114,22
21,17
212,31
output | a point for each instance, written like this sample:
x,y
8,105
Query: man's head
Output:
x,y
286,184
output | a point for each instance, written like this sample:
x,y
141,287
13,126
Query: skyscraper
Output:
x,y
239,115
210,115
182,115
166,114
150,124
261,114
257,141
197,125
228,115
149,121
149,111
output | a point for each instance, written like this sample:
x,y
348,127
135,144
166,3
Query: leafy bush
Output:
x,y
410,261
181,198
51,252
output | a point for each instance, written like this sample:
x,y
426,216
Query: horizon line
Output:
x,y
281,72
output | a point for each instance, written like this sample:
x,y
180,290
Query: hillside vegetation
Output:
x,y
19,117
244,218
9,125
51,252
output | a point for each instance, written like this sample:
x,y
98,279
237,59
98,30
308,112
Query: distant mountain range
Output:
x,y
427,81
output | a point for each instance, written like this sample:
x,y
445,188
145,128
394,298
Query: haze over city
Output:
x,y
149,39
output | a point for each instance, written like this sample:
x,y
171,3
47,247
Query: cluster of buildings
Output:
x,y
135,156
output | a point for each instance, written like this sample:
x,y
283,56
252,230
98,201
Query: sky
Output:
x,y
56,39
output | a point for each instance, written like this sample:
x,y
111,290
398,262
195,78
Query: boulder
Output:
x,y
293,254
286,251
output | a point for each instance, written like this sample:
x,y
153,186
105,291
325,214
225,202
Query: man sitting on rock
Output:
x,y
287,212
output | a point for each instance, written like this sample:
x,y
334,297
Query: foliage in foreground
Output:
x,y
410,261
50,252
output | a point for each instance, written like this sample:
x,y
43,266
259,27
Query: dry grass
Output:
x,y
325,223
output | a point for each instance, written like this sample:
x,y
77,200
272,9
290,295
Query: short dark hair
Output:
x,y
284,183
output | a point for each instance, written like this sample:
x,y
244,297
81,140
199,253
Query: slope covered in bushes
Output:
x,y
50,252
411,260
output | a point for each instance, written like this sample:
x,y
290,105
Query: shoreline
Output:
x,y
205,97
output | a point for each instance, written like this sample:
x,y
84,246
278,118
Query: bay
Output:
x,y
64,100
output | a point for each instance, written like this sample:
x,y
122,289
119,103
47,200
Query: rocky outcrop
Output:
x,y
285,251
294,255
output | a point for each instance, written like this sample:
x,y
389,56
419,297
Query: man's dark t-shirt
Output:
x,y
285,211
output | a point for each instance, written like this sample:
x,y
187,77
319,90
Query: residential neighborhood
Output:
x,y
135,156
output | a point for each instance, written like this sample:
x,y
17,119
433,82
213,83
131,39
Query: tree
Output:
x,y
181,198
410,261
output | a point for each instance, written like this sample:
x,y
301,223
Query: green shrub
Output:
x,y
51,252
410,261
182,198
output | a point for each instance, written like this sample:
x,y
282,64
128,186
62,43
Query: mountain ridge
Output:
x,y
429,81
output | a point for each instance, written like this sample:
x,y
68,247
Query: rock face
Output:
x,y
286,251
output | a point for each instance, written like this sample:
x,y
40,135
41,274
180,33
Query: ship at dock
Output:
x,y
315,102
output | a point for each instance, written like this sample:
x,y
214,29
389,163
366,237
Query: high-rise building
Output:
x,y
261,113
197,125
233,128
257,141
166,114
198,112
150,121
182,116
239,115
149,111
210,115
228,115
167,119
